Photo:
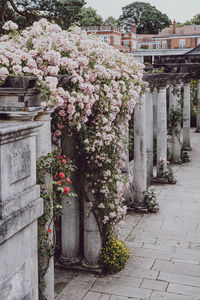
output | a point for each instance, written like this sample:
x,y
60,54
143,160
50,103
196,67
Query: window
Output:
x,y
134,43
158,45
150,46
117,40
126,43
182,43
106,38
164,44
198,41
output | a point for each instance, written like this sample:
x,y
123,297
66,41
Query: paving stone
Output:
x,y
183,289
122,281
181,279
169,296
154,285
96,296
76,289
122,298
178,268
121,290
153,253
139,272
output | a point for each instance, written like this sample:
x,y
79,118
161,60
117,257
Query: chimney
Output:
x,y
174,27
133,28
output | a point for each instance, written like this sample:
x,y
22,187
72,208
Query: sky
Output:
x,y
180,10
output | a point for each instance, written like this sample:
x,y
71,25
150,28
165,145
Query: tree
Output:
x,y
196,19
112,21
147,18
25,12
89,17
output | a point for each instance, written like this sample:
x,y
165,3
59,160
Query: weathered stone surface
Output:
x,y
20,207
140,156
70,224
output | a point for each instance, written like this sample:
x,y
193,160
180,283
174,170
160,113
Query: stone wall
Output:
x,y
20,207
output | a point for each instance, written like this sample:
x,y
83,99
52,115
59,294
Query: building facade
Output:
x,y
145,47
171,40
124,41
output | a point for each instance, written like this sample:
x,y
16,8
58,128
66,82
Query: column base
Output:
x,y
90,266
177,162
162,180
187,148
72,261
141,209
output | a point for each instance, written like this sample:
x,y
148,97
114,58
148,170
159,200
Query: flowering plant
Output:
x,y
166,172
95,105
53,175
114,255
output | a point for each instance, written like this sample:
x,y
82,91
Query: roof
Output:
x,y
145,37
195,51
185,30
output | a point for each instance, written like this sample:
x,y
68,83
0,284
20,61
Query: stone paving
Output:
x,y
165,247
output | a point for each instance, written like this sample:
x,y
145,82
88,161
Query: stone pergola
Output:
x,y
176,71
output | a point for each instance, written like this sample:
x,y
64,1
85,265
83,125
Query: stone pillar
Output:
x,y
186,117
161,129
44,147
155,95
70,222
149,135
140,159
198,106
176,132
92,234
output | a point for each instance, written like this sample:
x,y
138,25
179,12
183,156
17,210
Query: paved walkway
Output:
x,y
165,262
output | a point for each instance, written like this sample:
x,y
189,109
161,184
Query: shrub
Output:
x,y
114,255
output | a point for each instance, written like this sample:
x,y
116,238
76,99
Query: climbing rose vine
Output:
x,y
95,105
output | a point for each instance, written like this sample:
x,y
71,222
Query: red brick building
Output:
x,y
171,40
124,41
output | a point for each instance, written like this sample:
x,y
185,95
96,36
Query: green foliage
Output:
x,y
112,21
147,18
193,90
174,118
150,199
184,157
90,17
166,172
114,255
25,12
53,175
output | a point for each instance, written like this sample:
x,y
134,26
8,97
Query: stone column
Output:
x,y
92,234
198,106
155,95
70,222
149,135
161,129
44,147
176,132
140,159
186,117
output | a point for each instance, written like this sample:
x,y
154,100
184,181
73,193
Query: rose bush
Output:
x,y
96,104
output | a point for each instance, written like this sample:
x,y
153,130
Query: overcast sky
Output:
x,y
180,10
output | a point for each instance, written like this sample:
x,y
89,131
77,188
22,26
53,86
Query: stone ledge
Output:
x,y
19,201
20,219
13,131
